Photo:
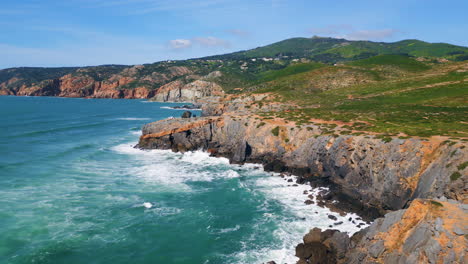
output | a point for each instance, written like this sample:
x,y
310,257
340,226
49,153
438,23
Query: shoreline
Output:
x,y
283,189
320,160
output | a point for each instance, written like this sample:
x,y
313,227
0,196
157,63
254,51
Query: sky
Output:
x,y
52,33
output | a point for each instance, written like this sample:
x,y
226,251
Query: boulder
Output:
x,y
187,114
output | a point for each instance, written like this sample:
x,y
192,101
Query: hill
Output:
x,y
332,50
408,87
390,95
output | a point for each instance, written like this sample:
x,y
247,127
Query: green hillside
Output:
x,y
410,86
386,94
245,68
331,50
400,61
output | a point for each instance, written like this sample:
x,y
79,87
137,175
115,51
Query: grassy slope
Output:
x,y
332,50
390,93
325,50
418,100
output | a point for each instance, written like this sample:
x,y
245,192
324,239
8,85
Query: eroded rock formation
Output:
x,y
429,231
378,174
178,91
377,177
131,82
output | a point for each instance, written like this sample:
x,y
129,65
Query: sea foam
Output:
x,y
133,118
177,169
301,218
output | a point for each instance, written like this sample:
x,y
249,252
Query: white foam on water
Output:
x,y
301,218
227,230
163,211
177,170
133,118
119,198
136,133
232,174
174,169
203,158
172,108
147,205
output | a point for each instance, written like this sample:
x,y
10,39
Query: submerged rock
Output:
x,y
332,217
186,114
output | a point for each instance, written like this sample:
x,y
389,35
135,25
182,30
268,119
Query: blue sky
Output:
x,y
94,32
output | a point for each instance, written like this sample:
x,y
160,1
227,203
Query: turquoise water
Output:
x,y
74,190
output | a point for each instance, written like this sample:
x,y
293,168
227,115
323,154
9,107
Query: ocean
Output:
x,y
73,189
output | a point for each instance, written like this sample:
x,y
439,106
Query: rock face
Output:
x,y
328,247
374,176
429,231
73,86
186,114
178,91
374,173
134,82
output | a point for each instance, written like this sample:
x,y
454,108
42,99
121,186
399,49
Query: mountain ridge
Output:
x,y
412,88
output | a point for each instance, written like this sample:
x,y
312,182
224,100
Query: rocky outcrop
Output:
x,y
186,114
374,176
374,173
178,91
429,231
327,247
132,82
174,84
82,86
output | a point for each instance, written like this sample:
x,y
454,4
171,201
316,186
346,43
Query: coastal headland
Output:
x,y
383,125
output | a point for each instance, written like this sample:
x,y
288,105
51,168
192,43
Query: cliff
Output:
x,y
103,82
378,174
405,179
428,231
178,91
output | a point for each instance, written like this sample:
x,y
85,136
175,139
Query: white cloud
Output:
x,y
211,42
331,29
180,43
347,31
379,34
238,32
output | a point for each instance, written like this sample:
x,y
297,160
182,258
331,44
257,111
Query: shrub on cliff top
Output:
x,y
261,124
462,166
275,131
435,203
455,176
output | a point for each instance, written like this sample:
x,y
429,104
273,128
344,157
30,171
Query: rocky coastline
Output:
x,y
176,84
367,175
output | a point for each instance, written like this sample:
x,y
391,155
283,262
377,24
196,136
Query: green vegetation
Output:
x,y
275,131
462,166
411,97
30,75
331,50
404,87
400,61
435,203
455,176
290,70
